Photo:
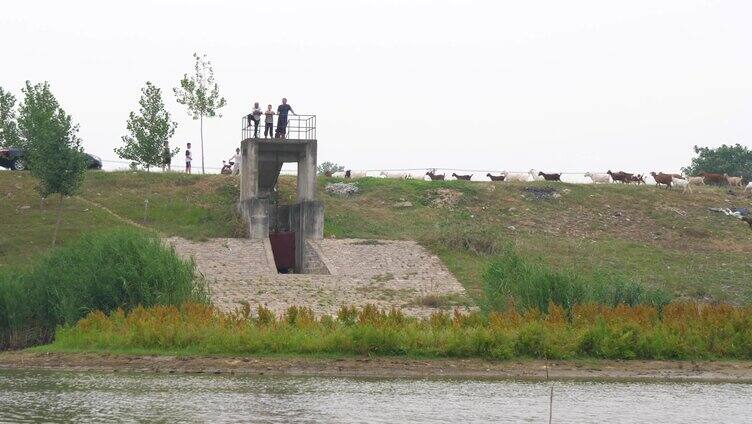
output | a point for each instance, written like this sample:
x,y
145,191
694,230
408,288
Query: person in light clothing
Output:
x,y
188,158
269,121
235,160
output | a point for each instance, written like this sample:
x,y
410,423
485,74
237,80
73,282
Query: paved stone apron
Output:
x,y
384,273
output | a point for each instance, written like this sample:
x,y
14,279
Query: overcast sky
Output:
x,y
553,85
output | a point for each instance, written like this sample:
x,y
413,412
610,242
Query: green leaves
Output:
x,y
199,92
734,160
8,128
149,130
50,142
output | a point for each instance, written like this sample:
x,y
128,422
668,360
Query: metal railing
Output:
x,y
298,127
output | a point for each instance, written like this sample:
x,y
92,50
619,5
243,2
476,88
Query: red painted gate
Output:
x,y
283,247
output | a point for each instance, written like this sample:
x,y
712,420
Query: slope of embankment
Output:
x,y
657,237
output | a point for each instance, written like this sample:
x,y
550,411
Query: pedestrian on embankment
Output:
x,y
188,158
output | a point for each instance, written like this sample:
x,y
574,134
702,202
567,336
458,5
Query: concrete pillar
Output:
x,y
307,173
248,169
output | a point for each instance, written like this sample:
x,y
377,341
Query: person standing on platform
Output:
x,y
282,111
269,120
255,118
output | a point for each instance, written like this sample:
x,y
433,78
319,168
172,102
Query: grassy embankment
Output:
x,y
644,235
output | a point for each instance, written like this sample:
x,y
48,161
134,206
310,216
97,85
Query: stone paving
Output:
x,y
381,272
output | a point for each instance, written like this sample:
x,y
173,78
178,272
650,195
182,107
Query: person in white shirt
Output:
x,y
255,119
188,158
236,162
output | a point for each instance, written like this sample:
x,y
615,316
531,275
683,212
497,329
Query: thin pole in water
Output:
x,y
551,405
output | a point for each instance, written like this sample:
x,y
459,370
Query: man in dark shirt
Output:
x,y
282,111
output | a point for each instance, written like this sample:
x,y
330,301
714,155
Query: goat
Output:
x,y
340,174
462,177
748,220
550,177
495,178
395,175
696,180
712,178
353,175
522,177
536,175
681,183
749,187
636,179
598,178
621,176
662,178
435,177
733,181
328,174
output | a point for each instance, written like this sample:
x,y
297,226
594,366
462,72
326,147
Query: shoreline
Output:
x,y
393,367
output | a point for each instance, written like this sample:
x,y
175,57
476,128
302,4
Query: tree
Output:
x,y
149,130
200,94
51,145
329,167
8,126
734,160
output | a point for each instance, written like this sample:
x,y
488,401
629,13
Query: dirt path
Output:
x,y
386,367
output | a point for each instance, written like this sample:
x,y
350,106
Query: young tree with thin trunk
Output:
x,y
150,131
8,128
51,145
200,94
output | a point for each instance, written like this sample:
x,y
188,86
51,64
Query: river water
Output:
x,y
49,396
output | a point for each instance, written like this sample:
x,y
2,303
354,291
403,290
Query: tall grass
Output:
x,y
104,271
527,284
680,331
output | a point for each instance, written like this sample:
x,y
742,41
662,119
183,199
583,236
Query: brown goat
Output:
x,y
435,177
495,178
328,174
636,179
550,177
712,178
621,176
348,173
748,220
662,178
462,177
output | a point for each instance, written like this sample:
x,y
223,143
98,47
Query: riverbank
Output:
x,y
707,371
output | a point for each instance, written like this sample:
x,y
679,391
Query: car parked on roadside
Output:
x,y
13,159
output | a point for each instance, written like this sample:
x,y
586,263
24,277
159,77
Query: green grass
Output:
x,y
680,331
103,271
654,237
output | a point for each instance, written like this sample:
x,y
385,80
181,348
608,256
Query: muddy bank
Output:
x,y
386,367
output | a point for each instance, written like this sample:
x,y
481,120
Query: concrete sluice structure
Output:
x,y
292,230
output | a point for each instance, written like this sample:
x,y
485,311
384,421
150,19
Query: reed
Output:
x,y
679,331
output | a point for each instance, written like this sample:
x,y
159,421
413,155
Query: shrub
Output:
x,y
514,280
106,271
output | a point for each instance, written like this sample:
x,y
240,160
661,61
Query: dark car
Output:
x,y
13,158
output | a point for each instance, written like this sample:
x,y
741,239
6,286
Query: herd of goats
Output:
x,y
683,182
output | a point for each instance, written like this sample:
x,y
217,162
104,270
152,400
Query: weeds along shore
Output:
x,y
680,330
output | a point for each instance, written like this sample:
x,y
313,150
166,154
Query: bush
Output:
x,y
514,280
104,272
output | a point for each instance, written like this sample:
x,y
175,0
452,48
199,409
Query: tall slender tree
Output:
x,y
149,130
51,145
8,127
200,94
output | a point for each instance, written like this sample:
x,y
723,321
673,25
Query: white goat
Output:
x,y
395,175
683,184
598,178
733,181
339,174
357,174
696,180
536,177
749,187
522,177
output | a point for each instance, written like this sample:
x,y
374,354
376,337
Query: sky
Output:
x,y
569,86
